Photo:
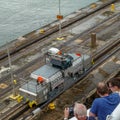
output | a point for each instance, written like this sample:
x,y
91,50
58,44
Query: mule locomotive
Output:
x,y
60,70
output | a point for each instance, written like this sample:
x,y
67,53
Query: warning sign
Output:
x,y
59,17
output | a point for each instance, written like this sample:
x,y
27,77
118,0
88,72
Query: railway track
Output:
x,y
99,53
14,112
106,53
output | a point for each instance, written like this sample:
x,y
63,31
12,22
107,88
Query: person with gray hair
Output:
x,y
80,112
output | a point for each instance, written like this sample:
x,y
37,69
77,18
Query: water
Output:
x,y
18,17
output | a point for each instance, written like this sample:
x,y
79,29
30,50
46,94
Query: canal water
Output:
x,y
18,17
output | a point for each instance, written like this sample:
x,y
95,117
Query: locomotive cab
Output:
x,y
62,62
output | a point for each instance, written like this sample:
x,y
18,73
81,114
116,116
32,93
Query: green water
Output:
x,y
18,17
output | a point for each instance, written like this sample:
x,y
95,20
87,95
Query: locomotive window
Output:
x,y
45,97
46,90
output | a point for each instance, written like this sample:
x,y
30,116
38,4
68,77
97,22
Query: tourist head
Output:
x,y
102,89
114,84
80,111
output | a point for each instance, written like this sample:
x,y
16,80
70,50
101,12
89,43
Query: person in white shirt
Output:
x,y
114,86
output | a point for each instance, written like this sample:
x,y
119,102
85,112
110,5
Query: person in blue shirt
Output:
x,y
103,106
80,112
